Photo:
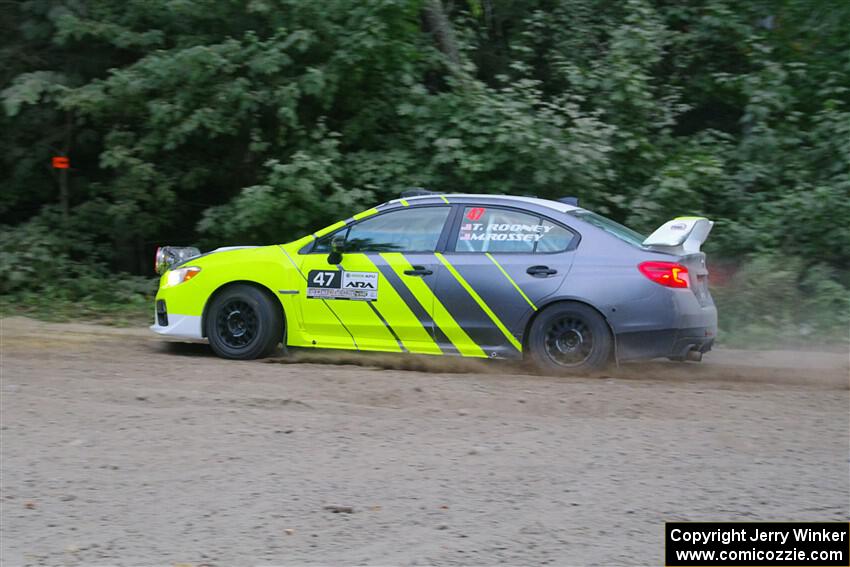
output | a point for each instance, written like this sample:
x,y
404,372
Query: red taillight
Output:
x,y
668,274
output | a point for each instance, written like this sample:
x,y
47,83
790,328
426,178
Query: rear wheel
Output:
x,y
570,337
243,323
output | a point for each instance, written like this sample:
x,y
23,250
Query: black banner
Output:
x,y
814,544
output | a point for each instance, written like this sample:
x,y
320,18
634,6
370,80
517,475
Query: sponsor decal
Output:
x,y
335,284
503,231
475,213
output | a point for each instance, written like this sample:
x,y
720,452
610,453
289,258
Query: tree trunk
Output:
x,y
64,193
444,35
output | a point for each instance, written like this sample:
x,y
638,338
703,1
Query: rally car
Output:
x,y
488,276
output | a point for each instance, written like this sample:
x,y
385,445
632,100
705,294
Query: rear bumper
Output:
x,y
667,343
667,325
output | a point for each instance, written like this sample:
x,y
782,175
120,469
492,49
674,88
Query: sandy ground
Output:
x,y
118,448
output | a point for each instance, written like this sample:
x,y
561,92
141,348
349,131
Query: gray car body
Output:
x,y
647,320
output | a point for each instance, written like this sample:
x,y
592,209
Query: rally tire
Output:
x,y
243,323
570,338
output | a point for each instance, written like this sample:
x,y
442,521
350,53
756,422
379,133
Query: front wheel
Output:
x,y
570,337
243,323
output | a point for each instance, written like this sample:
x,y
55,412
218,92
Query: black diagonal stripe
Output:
x,y
469,315
419,311
388,326
490,284
297,269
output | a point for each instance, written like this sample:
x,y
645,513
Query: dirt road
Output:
x,y
120,449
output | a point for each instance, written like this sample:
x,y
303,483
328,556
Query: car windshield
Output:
x,y
613,228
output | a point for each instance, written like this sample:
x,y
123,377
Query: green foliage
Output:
x,y
31,88
783,301
39,274
298,194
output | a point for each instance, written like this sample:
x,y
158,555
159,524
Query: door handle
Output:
x,y
418,271
541,271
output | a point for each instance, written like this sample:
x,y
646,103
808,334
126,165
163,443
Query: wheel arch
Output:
x,y
562,301
263,288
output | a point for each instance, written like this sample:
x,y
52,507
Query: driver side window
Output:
x,y
405,230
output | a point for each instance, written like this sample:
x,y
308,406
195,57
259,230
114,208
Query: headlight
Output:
x,y
167,256
180,275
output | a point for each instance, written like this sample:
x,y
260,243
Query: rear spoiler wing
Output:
x,y
682,235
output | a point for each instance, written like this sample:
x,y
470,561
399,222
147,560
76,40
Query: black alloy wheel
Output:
x,y
569,337
569,341
237,324
244,322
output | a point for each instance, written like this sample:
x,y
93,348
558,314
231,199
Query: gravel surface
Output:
x,y
120,448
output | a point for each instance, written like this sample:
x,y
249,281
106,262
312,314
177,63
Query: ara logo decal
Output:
x,y
475,213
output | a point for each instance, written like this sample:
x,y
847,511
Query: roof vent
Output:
x,y
573,201
416,192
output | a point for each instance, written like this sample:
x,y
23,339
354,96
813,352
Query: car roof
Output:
x,y
503,199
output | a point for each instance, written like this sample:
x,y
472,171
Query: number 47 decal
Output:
x,y
324,279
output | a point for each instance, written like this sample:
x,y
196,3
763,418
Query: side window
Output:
x,y
406,230
323,245
555,238
487,229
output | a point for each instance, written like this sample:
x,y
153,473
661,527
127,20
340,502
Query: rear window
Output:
x,y
613,228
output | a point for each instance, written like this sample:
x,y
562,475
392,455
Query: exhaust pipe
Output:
x,y
693,355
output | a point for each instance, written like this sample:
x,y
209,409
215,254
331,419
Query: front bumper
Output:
x,y
178,326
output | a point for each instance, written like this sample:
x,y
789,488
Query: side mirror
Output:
x,y
337,248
